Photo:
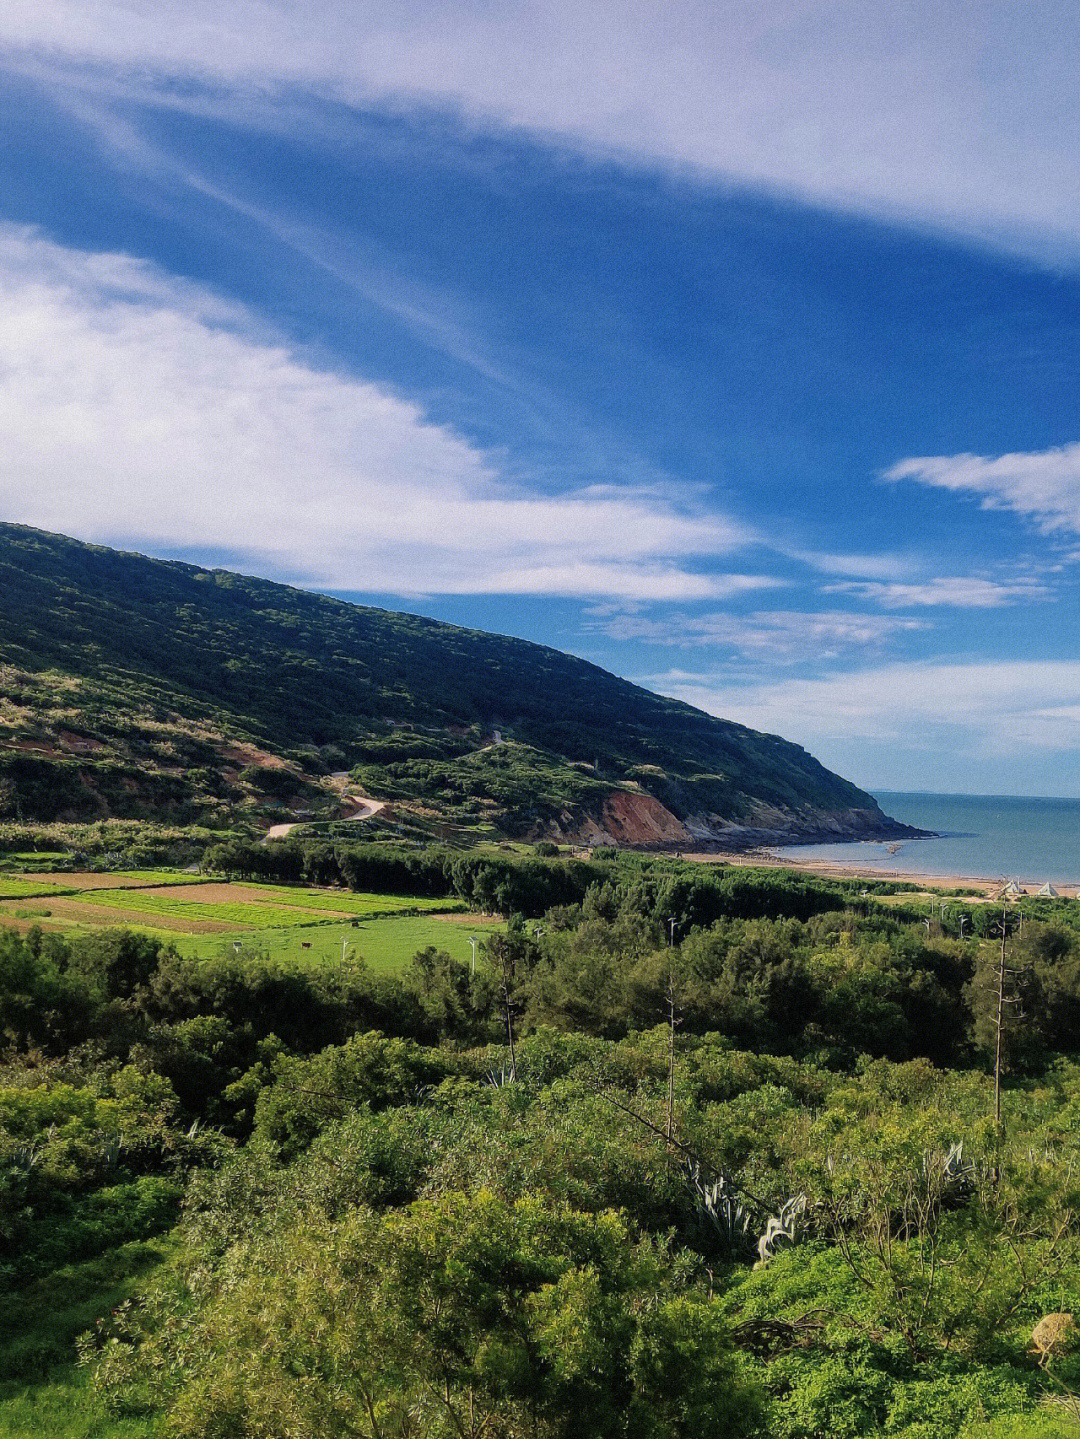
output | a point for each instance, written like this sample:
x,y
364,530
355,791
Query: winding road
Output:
x,y
363,808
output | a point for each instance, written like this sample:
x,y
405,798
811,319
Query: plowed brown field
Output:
x,y
64,907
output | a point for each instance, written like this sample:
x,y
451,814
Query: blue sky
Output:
x,y
734,348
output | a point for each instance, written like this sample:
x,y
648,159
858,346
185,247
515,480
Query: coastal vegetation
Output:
x,y
688,1150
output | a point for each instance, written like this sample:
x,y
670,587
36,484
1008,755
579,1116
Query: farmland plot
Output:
x,y
151,907
16,887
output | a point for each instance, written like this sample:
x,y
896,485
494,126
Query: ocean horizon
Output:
x,y
1031,838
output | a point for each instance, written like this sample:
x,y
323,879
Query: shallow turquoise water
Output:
x,y
982,836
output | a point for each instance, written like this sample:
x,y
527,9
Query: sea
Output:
x,y
980,836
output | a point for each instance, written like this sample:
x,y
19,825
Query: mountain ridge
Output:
x,y
134,686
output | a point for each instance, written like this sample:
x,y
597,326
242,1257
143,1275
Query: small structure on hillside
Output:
x,y
1012,890
1048,892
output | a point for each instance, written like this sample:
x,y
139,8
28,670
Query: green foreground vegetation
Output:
x,y
693,1151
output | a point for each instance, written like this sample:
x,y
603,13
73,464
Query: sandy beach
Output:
x,y
764,858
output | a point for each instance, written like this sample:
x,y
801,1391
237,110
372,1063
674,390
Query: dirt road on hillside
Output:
x,y
362,808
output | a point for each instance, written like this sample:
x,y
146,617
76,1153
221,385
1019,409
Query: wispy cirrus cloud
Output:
x,y
958,591
1043,485
786,636
965,114
992,709
138,409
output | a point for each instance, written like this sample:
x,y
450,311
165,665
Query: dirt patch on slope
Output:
x,y
626,818
248,754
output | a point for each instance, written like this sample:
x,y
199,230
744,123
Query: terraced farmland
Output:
x,y
145,905
15,887
207,917
353,902
224,905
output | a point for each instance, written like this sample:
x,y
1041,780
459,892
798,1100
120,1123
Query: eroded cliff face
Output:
x,y
766,825
632,819
625,818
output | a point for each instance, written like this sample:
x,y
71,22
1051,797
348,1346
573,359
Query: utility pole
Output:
x,y
509,1025
1003,1001
1000,1023
669,1128
472,966
506,959
672,922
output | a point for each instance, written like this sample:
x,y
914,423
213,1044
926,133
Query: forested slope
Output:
x,y
134,686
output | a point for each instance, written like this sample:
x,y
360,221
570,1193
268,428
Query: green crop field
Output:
x,y
385,944
158,876
33,858
12,887
354,902
282,909
281,921
257,916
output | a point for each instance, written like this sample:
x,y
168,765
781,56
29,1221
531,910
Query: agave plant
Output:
x,y
26,1156
954,1173
498,1078
781,1230
721,1210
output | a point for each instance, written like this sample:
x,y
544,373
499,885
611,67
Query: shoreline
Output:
x,y
832,869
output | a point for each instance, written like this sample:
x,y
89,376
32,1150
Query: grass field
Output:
x,y
43,1395
258,907
384,944
32,859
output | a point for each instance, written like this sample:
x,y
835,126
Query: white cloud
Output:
x,y
1043,485
991,710
778,635
137,409
958,591
963,113
877,567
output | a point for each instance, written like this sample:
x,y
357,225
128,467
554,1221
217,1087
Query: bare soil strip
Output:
x,y
82,879
218,893
86,912
466,918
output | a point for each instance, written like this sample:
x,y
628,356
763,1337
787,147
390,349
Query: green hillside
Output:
x,y
136,687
